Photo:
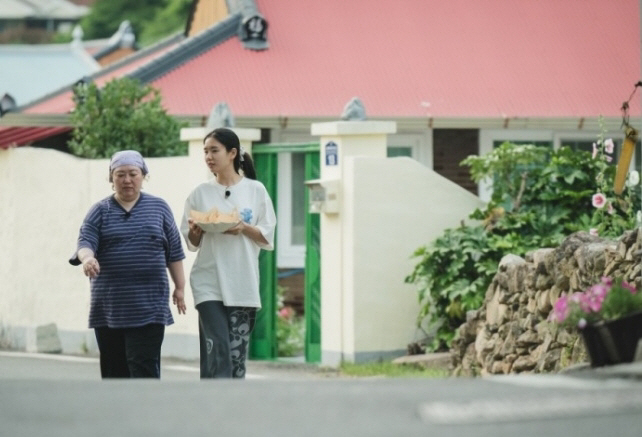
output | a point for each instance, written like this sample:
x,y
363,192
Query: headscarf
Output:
x,y
128,157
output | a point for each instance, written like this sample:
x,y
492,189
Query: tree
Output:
x,y
151,19
122,115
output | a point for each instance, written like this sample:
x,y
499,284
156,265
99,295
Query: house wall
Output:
x,y
206,14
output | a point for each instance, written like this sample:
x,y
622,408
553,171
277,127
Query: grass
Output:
x,y
387,369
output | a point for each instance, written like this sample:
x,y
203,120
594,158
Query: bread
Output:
x,y
215,216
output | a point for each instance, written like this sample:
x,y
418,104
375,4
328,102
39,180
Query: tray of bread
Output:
x,y
215,220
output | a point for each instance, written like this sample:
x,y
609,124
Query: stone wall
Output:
x,y
510,332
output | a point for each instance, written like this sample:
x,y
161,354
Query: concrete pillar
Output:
x,y
340,140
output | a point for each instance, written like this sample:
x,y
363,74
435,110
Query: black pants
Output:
x,y
224,337
130,352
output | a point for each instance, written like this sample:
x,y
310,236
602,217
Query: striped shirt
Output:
x,y
133,249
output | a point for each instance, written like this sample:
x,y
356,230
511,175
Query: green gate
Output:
x,y
263,345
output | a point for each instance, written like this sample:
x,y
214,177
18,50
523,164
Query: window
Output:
x,y
393,152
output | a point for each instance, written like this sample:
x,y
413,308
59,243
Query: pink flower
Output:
x,y
595,150
593,231
598,200
607,280
608,146
285,312
608,158
560,310
629,287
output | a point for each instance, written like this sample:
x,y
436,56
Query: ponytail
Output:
x,y
247,165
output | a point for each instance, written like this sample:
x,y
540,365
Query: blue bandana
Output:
x,y
128,157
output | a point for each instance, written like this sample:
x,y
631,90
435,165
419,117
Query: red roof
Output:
x,y
418,58
468,58
20,136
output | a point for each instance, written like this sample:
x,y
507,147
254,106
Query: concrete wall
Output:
x,y
44,196
399,205
388,207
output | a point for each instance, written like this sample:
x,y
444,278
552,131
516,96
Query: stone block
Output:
x,y
47,339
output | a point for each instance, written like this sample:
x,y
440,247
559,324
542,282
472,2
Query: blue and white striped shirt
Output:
x,y
133,249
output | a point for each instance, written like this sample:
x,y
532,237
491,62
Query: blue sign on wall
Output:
x,y
331,153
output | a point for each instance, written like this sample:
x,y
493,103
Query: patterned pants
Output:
x,y
224,337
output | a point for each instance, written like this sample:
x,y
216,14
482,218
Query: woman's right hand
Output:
x,y
195,232
194,228
90,267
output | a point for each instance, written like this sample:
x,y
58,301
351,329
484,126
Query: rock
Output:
x,y
527,338
544,302
510,260
524,363
481,343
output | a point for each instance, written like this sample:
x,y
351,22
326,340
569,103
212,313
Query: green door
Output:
x,y
263,344
263,341
312,294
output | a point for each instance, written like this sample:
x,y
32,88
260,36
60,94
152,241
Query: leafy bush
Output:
x,y
122,115
540,196
290,329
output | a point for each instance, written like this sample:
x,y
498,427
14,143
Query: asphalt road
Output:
x,y
61,397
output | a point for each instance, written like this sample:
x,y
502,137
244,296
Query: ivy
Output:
x,y
540,196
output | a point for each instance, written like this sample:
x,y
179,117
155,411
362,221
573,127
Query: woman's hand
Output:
x,y
252,232
90,266
195,232
178,297
194,228
238,229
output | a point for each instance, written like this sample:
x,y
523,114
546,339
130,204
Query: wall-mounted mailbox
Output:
x,y
324,196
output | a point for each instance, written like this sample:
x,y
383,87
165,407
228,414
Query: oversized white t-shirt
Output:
x,y
227,266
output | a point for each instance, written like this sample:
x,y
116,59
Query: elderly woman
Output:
x,y
127,243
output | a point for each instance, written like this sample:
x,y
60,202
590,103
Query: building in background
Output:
x,y
457,77
36,20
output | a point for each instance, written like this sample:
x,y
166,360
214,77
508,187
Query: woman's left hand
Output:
x,y
178,297
236,230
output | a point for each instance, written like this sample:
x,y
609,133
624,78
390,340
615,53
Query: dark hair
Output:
x,y
230,141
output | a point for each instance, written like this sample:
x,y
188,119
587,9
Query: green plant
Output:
x,y
451,275
607,300
388,369
540,196
290,328
613,214
122,115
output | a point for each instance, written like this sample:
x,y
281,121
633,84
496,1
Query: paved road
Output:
x,y
65,398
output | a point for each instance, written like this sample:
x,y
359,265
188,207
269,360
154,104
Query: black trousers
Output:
x,y
130,352
224,337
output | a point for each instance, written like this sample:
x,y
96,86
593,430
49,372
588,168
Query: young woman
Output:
x,y
225,275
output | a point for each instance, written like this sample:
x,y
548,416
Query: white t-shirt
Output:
x,y
227,266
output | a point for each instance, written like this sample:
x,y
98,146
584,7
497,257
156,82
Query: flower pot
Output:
x,y
613,342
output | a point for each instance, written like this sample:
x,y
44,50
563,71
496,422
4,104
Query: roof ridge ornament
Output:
x,y
7,103
354,110
220,116
253,27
